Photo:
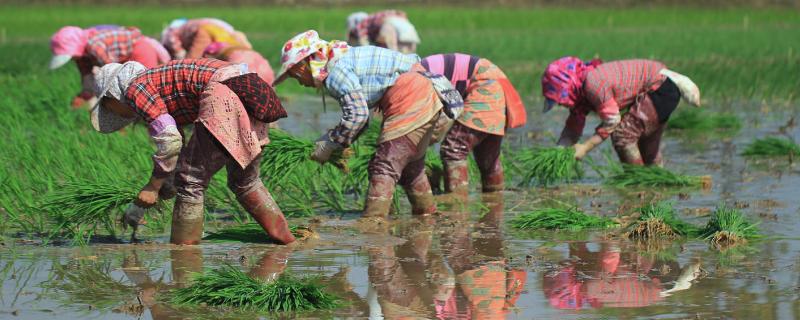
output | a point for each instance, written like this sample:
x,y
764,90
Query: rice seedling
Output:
x,y
659,220
560,219
286,153
229,287
653,176
729,227
546,166
251,233
772,147
699,119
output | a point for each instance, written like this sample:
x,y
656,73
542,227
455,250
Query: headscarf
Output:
x,y
308,44
562,81
69,40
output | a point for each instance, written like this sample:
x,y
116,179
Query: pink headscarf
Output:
x,y
69,41
562,81
215,48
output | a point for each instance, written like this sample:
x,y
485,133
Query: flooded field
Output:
x,y
468,262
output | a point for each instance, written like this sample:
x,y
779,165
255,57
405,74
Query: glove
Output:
x,y
133,217
324,148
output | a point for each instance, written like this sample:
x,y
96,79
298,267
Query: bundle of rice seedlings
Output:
x,y
546,166
699,119
251,233
772,146
729,227
286,153
659,220
560,219
232,288
653,176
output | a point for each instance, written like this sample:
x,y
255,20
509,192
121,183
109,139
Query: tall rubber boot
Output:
x,y
456,177
379,197
493,182
187,222
259,203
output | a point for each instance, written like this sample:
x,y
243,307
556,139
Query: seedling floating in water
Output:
x,y
653,176
560,219
659,220
698,119
230,287
729,227
772,147
251,233
546,166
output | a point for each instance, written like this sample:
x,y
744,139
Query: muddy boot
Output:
x,y
187,222
421,202
629,154
493,182
259,203
379,197
456,177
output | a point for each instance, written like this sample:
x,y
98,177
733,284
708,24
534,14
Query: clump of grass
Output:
x,y
729,227
771,147
230,287
659,220
560,219
546,166
652,176
250,233
698,119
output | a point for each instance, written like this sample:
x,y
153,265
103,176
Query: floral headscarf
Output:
x,y
563,79
308,44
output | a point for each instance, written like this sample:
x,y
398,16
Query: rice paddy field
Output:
x,y
713,235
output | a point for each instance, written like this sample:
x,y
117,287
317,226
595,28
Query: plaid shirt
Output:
x,y
107,46
358,80
172,88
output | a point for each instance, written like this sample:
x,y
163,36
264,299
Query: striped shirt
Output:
x,y
358,81
457,67
173,88
107,46
614,86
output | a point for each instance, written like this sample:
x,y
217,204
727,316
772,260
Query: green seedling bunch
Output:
x,y
729,227
700,119
560,219
651,176
772,147
249,233
547,166
659,220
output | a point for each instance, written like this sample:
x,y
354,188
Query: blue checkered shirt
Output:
x,y
358,80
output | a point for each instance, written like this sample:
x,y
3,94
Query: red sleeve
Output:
x,y
576,120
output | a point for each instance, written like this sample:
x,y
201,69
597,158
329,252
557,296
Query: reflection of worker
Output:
x,y
99,45
646,89
229,110
613,282
491,105
388,29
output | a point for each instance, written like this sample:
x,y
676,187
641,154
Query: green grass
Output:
x,y
700,119
772,147
244,233
231,288
659,220
547,166
651,176
570,219
728,227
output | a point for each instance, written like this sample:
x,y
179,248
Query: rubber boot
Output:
x,y
456,177
493,182
629,154
259,203
379,197
187,222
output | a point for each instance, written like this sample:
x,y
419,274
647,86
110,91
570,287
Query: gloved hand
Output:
x,y
324,148
167,191
133,217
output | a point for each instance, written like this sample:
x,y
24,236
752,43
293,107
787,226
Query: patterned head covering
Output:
x,y
355,18
308,44
68,42
111,81
563,79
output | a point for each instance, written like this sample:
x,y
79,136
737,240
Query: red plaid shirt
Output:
x,y
173,88
109,46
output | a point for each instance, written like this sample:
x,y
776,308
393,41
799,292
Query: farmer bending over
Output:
x,y
229,108
645,88
388,29
411,103
99,45
241,54
491,104
188,39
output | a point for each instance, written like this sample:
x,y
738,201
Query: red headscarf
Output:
x,y
562,81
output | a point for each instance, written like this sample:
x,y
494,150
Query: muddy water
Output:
x,y
467,262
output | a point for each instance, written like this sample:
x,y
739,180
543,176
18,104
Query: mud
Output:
x,y
466,262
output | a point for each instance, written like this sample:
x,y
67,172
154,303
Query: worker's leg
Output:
x,y
487,156
455,149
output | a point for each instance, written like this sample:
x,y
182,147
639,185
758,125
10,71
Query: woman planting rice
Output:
x,y
241,54
645,88
99,45
388,29
190,38
229,108
491,104
365,78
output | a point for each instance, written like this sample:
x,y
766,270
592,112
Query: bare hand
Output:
x,y
147,197
580,150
